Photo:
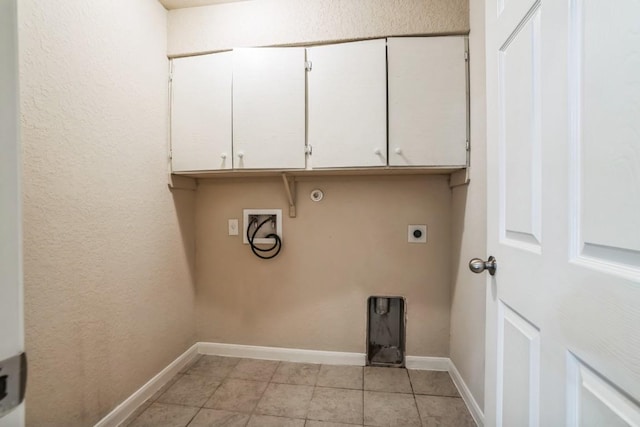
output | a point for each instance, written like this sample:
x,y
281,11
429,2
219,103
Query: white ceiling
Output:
x,y
179,4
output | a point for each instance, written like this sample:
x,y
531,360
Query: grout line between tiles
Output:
x,y
207,399
415,400
220,381
438,395
263,392
363,374
192,418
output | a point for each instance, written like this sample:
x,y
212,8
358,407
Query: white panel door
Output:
x,y
11,323
269,108
563,163
427,101
201,112
347,104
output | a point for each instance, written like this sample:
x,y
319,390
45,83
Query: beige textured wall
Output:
x,y
336,253
108,250
276,22
313,295
469,236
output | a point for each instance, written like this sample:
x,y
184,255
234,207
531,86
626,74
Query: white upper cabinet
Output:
x,y
427,101
269,108
256,108
347,104
201,113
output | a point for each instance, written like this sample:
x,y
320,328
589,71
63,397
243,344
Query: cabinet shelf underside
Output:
x,y
381,171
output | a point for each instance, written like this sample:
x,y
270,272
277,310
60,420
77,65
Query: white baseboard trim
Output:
x,y
126,408
282,354
472,405
424,363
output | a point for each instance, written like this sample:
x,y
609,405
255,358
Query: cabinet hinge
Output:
x,y
170,154
308,65
468,145
466,55
308,150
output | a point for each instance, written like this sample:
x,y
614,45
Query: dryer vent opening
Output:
x,y
386,331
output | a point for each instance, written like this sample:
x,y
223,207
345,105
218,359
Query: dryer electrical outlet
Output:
x,y
252,218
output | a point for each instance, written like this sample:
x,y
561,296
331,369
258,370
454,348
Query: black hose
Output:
x,y
255,249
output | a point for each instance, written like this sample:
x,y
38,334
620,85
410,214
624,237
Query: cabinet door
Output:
x,y
427,101
347,102
269,108
201,113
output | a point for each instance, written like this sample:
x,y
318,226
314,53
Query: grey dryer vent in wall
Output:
x,y
386,322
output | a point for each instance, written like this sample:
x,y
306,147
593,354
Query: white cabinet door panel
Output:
x,y
347,104
427,101
269,108
201,113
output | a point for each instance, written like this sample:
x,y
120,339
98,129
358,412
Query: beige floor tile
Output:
x,y
313,423
255,370
436,383
438,411
246,398
296,373
190,390
390,410
237,395
269,421
340,377
336,405
214,366
215,418
393,380
285,400
165,415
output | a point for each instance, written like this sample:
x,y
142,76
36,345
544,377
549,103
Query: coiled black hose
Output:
x,y
277,246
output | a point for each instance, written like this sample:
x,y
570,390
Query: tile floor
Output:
x,y
226,391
